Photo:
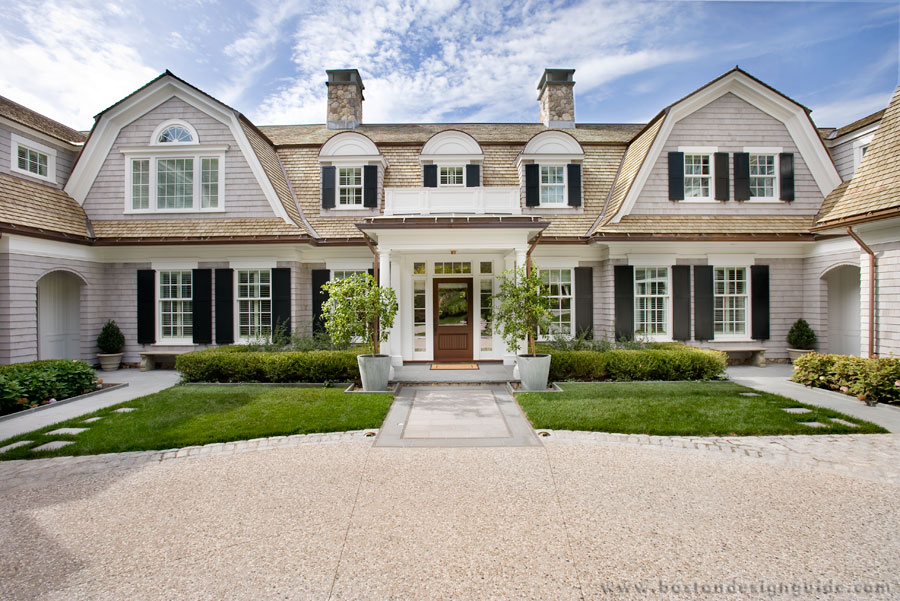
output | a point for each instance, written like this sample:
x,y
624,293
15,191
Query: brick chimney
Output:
x,y
345,98
555,95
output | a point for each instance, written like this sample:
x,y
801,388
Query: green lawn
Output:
x,y
677,409
194,415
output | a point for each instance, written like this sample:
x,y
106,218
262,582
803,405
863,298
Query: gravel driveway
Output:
x,y
341,519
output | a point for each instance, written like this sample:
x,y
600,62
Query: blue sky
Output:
x,y
446,60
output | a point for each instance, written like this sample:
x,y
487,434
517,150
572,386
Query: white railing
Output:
x,y
494,200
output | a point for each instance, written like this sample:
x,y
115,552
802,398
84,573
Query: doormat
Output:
x,y
454,366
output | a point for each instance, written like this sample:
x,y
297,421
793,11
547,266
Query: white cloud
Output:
x,y
63,60
847,110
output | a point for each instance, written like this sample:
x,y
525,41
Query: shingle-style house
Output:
x,y
719,222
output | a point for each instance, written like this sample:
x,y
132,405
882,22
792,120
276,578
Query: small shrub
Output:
x,y
679,363
24,385
111,340
874,380
801,336
238,364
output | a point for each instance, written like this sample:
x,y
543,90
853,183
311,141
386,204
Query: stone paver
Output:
x,y
844,422
52,445
91,420
813,424
585,516
66,431
124,410
15,445
796,410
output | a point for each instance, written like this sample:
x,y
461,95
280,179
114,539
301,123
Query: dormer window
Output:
x,y
33,159
451,159
350,186
177,134
550,167
351,169
553,185
451,176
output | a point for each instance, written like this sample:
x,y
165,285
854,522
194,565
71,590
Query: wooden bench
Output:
x,y
149,359
757,353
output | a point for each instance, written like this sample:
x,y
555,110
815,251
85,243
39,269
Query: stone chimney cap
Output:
x,y
556,76
344,77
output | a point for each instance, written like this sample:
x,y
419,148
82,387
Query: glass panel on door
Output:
x,y
453,304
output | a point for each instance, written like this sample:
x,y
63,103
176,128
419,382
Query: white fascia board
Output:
x,y
857,133
451,159
173,264
15,125
256,263
655,260
549,159
730,260
445,240
354,160
793,117
701,250
348,264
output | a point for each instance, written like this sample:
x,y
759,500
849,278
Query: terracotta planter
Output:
x,y
110,362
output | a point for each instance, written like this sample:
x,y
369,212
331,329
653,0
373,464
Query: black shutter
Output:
x,y
224,306
759,302
473,176
722,191
624,294
681,302
676,176
146,306
370,186
281,299
703,302
532,185
584,300
201,306
741,176
328,187
429,176
786,170
574,174
319,296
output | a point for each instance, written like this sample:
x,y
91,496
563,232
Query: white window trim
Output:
x,y
237,303
337,187
170,340
183,151
16,141
154,140
748,309
776,152
447,165
565,199
667,337
710,151
573,295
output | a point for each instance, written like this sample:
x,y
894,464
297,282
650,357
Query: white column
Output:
x,y
520,257
384,268
395,342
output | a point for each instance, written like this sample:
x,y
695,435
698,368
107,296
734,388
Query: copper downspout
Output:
x,y
534,243
375,261
871,254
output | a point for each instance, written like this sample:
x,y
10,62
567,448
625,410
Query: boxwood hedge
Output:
x,y
234,364
669,363
25,385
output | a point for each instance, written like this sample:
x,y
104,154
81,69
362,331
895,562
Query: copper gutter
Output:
x,y
871,254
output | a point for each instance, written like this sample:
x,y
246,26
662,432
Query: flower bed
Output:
x,y
875,380
238,364
668,363
27,385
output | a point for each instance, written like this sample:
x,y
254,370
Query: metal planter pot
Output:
x,y
374,371
534,371
110,362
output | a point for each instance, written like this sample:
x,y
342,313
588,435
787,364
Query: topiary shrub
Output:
x,y
111,340
875,380
25,385
801,336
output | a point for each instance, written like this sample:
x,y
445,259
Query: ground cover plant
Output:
x,y
875,380
189,415
26,385
678,409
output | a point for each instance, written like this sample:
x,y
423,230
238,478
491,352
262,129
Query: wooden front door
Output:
x,y
453,319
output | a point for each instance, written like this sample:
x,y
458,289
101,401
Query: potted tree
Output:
x,y
110,342
522,310
801,339
358,308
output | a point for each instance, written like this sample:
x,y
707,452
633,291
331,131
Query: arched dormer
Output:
x,y
352,172
451,158
550,169
174,132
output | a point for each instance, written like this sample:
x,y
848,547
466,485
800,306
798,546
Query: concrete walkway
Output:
x,y
776,379
487,373
140,383
334,517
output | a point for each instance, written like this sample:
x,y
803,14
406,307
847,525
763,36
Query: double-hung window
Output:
x,y
175,304
651,301
350,186
731,301
451,176
553,185
254,298
697,176
762,177
32,158
559,283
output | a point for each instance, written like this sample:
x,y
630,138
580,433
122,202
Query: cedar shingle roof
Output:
x,y
858,124
708,224
205,228
20,114
875,188
29,204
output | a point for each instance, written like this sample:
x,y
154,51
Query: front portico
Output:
x,y
445,272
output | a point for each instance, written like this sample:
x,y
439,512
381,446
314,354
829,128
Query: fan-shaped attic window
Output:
x,y
175,132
